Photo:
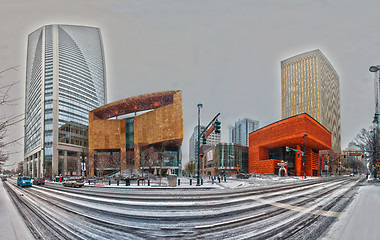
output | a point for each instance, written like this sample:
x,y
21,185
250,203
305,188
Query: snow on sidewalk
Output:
x,y
12,225
360,220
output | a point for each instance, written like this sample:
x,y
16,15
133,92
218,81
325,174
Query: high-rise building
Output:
x,y
239,134
309,84
65,79
212,139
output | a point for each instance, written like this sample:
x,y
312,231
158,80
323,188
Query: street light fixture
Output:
x,y
304,154
199,139
376,117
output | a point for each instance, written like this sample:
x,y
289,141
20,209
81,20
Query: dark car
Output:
x,y
4,178
242,176
39,181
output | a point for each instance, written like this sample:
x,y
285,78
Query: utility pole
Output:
x,y
375,69
304,154
199,144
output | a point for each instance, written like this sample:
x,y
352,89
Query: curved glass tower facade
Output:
x,y
65,79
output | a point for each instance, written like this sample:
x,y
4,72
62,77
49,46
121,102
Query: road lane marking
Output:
x,y
299,209
229,222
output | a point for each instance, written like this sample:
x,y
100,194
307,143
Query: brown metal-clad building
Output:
x,y
152,120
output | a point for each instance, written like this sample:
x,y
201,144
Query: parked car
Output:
x,y
24,181
39,181
242,176
73,182
4,178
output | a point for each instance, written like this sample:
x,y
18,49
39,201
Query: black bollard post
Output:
x,y
212,180
201,181
138,182
219,179
225,178
179,182
109,183
191,182
117,182
148,182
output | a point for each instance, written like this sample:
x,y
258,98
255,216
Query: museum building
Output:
x,y
286,140
145,132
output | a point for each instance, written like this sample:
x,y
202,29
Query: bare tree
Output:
x,y
130,160
103,160
368,141
6,120
154,157
73,164
189,168
115,160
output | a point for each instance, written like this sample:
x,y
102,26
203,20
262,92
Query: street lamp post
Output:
x,y
199,144
83,167
375,121
304,154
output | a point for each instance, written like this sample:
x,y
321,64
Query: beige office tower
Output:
x,y
309,84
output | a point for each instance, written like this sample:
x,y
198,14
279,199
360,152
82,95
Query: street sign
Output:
x,y
354,154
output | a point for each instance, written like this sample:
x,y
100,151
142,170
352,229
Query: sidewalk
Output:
x,y
361,218
12,225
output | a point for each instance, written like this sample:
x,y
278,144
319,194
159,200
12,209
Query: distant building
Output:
x,y
224,158
212,139
310,84
65,79
239,134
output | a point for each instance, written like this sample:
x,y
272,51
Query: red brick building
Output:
x,y
267,146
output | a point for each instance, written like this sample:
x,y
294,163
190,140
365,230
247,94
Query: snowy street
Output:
x,y
244,209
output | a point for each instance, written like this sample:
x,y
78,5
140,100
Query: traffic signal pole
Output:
x,y
199,138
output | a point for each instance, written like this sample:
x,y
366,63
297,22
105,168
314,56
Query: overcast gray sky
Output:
x,y
224,54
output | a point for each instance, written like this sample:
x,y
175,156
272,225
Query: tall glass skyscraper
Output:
x,y
65,79
309,84
239,134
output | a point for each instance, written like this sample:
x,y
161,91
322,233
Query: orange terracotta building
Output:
x,y
267,146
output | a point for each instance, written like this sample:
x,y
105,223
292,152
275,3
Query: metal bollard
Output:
x,y
212,180
89,182
109,183
201,181
138,182
225,179
148,182
117,182
179,182
219,179
191,182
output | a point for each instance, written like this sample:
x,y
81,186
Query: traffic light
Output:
x,y
217,126
203,140
362,155
344,155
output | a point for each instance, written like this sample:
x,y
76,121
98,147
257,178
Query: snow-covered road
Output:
x,y
293,209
